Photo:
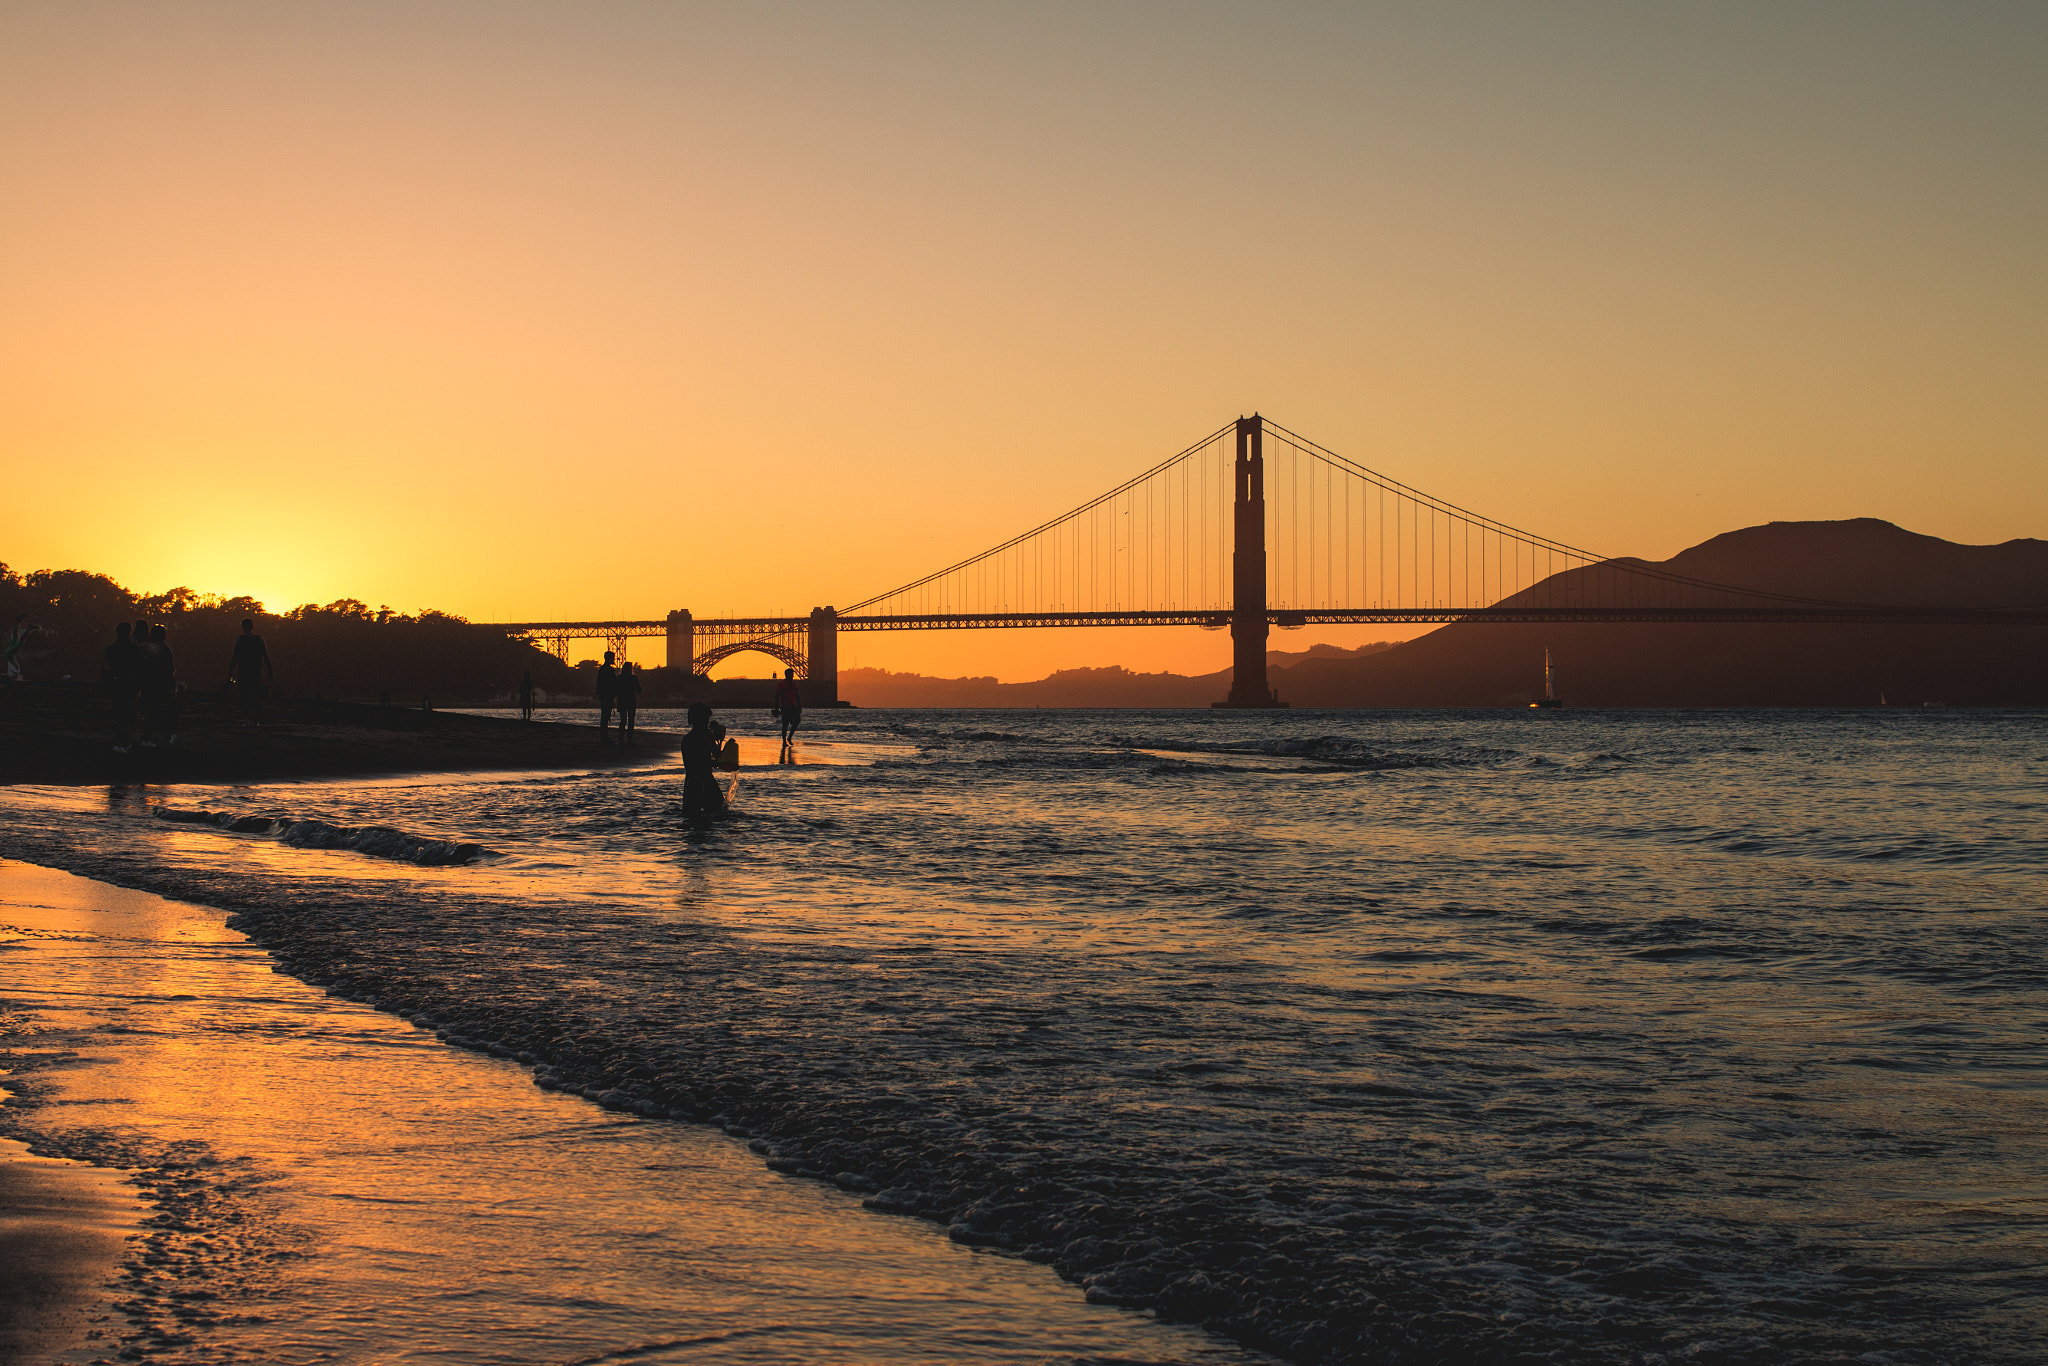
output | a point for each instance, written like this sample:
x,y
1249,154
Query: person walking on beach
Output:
x,y
526,696
629,702
121,675
701,795
159,691
789,706
248,667
16,638
607,693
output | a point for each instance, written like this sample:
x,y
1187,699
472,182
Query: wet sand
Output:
x,y
63,1228
60,734
327,1182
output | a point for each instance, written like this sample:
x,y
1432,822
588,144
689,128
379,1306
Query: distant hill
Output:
x,y
1114,686
1674,665
1645,665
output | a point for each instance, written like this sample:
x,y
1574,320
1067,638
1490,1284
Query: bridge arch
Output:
x,y
794,658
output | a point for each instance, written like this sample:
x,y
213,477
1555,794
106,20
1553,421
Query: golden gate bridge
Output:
x,y
1252,528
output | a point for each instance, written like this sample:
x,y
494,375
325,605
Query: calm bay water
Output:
x,y
1572,1036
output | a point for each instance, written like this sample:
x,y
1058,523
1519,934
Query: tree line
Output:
x,y
344,650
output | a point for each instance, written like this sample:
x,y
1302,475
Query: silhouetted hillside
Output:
x,y
1865,560
1654,665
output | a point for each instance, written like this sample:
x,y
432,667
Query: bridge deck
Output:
x,y
1213,619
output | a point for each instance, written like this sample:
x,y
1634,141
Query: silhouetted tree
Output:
x,y
340,650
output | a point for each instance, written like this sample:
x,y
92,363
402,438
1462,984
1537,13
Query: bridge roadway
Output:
x,y
1285,618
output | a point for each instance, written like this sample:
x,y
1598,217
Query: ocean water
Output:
x,y
1398,1037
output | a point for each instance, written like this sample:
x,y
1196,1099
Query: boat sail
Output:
x,y
1550,697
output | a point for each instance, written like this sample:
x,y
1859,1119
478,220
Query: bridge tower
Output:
x,y
1248,626
682,644
821,673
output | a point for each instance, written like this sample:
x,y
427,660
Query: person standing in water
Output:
x,y
526,696
248,665
607,694
789,706
701,795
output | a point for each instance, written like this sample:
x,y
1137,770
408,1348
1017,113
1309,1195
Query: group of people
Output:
x,y
140,675
705,748
617,686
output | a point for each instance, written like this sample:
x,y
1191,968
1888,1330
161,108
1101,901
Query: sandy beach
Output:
x,y
63,1227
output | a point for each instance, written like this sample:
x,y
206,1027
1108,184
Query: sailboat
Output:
x,y
1550,697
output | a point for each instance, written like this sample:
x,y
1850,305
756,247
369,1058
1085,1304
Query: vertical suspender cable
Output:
x,y
1347,545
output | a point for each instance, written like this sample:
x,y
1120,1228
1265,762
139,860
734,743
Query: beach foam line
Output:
x,y
378,841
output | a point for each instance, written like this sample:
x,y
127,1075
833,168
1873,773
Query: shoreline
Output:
x,y
64,1226
60,735
327,1181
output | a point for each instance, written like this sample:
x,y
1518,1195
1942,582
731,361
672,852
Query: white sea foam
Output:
x,y
378,841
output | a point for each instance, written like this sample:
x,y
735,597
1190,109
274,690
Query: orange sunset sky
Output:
x,y
597,310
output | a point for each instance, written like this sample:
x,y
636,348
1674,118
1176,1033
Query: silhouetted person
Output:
x,y
121,675
701,794
16,638
629,701
607,694
789,706
526,696
159,691
249,665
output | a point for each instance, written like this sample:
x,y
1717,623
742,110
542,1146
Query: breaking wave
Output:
x,y
378,841
1342,752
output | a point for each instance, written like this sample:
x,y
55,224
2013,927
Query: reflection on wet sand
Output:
x,y
63,1226
338,1186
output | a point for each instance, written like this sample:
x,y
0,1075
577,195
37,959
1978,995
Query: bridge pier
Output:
x,y
821,673
682,644
1248,621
